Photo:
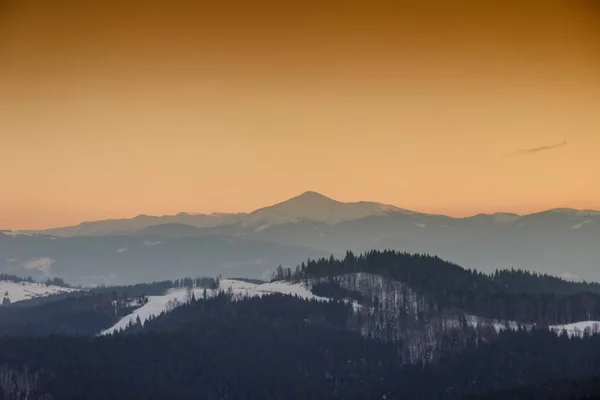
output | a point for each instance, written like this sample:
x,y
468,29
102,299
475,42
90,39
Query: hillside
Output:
x,y
403,287
374,325
411,299
282,347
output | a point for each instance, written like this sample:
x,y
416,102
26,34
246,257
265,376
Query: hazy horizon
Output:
x,y
111,110
284,200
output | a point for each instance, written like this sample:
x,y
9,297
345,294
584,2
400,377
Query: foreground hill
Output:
x,y
379,325
173,298
281,347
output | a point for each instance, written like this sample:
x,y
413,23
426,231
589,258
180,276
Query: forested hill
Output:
x,y
416,327
439,285
282,348
138,290
561,389
85,312
432,274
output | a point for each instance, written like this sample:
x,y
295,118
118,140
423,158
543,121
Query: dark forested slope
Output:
x,y
505,295
281,347
403,334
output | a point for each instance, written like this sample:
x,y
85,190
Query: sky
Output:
x,y
113,109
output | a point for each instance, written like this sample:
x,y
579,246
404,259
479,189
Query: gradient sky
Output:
x,y
110,111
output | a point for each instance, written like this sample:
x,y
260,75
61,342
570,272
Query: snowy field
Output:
x,y
574,329
158,304
578,328
18,291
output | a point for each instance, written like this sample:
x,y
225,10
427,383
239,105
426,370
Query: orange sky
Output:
x,y
109,111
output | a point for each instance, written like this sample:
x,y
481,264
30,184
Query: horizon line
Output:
x,y
216,213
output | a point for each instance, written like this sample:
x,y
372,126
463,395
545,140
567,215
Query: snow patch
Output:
x,y
389,208
292,289
16,233
577,329
152,243
262,227
419,225
499,325
122,250
42,264
581,224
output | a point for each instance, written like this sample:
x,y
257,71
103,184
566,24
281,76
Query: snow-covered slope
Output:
x,y
399,297
18,291
573,329
158,304
292,289
578,328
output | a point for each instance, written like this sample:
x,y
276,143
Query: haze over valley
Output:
x,y
559,241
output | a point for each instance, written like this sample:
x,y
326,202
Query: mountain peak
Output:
x,y
310,196
316,207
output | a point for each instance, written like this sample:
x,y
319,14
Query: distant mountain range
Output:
x,y
309,206
561,241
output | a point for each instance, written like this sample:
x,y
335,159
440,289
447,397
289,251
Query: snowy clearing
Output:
x,y
18,291
577,328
